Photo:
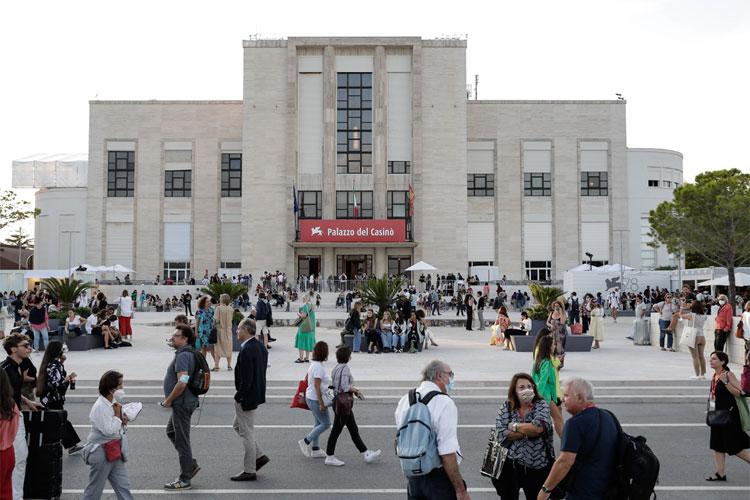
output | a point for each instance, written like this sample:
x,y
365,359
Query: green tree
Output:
x,y
381,292
19,239
65,290
13,210
214,290
710,219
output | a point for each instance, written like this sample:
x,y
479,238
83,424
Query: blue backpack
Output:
x,y
416,441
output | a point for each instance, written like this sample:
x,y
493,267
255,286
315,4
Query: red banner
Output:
x,y
352,230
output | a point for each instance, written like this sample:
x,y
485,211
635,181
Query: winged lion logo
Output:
x,y
316,231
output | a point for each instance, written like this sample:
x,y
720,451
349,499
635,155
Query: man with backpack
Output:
x,y
427,438
597,460
180,397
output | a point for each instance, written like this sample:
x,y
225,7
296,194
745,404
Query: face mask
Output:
x,y
526,395
451,385
119,395
722,302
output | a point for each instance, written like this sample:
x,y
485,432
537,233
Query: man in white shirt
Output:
x,y
444,482
126,313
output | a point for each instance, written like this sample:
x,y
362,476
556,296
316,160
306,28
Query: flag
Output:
x,y
411,200
356,207
296,203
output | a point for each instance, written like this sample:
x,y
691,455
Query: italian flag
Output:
x,y
356,206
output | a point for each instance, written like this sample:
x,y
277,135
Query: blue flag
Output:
x,y
296,203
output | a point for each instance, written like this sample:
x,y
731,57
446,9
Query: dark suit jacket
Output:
x,y
250,375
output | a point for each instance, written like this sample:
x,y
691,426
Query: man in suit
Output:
x,y
250,383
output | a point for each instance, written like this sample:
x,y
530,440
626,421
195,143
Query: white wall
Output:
x,y
62,209
645,164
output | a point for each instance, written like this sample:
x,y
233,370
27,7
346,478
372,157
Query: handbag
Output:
x,y
494,457
343,402
213,337
493,337
306,324
739,332
717,418
688,335
113,450
298,400
327,396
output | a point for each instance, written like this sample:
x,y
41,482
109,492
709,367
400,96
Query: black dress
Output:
x,y
729,439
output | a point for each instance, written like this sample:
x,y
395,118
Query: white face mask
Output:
x,y
722,302
526,395
119,395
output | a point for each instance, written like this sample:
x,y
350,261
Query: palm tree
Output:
x,y
381,292
215,290
544,296
66,290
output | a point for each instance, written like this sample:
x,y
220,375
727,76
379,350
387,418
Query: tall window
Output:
x,y
345,204
310,204
231,175
354,123
480,184
178,183
120,173
399,167
398,204
648,253
537,184
177,271
538,270
397,264
594,184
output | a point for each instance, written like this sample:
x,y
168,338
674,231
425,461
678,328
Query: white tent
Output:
x,y
616,268
740,279
117,268
421,266
583,267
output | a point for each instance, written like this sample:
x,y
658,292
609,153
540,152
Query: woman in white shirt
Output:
x,y
73,323
318,382
526,323
107,448
126,313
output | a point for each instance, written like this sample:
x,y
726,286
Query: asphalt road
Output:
x,y
670,415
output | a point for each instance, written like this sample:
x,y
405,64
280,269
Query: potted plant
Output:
x,y
381,292
215,290
543,296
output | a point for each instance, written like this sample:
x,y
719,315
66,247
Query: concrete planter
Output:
x,y
523,343
84,342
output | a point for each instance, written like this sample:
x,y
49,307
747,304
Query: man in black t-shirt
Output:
x,y
187,300
481,304
589,440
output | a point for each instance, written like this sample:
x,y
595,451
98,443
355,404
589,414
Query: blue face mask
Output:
x,y
450,385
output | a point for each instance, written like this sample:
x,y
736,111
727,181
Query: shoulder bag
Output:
x,y
494,457
113,450
344,401
298,400
739,332
717,418
689,333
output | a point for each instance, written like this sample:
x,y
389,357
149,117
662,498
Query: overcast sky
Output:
x,y
682,65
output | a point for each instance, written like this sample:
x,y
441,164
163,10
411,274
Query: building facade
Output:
x,y
389,162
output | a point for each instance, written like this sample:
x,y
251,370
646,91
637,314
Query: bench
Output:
x,y
573,343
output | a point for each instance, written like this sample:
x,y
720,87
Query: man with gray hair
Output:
x,y
444,482
589,440
250,384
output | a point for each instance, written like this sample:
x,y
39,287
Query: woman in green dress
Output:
x,y
304,341
544,373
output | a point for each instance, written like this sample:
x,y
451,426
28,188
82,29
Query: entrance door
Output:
x,y
307,265
353,266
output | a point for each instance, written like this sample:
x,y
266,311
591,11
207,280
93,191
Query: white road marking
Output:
x,y
372,426
354,491
134,397
408,387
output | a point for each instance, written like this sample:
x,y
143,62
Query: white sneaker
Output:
x,y
318,454
332,460
694,377
371,456
304,447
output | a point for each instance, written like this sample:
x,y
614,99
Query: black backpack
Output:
x,y
636,467
200,379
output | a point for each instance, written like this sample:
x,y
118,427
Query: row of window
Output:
x,y
311,204
538,184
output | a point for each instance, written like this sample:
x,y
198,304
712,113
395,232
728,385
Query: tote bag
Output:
x,y
688,334
298,400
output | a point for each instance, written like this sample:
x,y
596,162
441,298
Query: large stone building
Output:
x,y
390,162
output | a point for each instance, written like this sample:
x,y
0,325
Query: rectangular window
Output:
x,y
231,265
231,175
178,183
399,167
354,123
345,204
178,272
310,204
666,184
594,184
537,184
538,270
398,204
397,264
480,184
653,183
120,174
474,263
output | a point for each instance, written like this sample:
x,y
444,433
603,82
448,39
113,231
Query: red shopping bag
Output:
x,y
576,329
298,401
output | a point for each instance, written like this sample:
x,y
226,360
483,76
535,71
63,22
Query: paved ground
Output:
x,y
673,427
648,389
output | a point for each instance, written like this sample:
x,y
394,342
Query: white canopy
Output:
x,y
421,266
740,279
614,268
117,268
583,267
46,273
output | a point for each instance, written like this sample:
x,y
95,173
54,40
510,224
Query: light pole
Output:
x,y
70,234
